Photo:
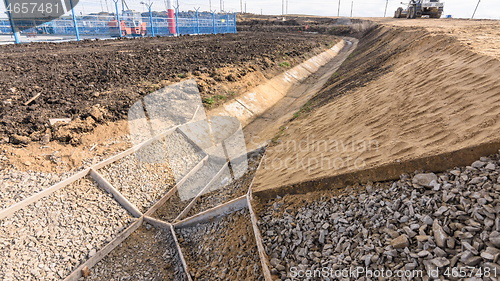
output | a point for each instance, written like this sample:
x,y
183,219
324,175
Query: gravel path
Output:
x,y
50,238
147,254
230,191
222,250
427,222
16,186
143,177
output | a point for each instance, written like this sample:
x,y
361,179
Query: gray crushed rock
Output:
x,y
47,240
446,221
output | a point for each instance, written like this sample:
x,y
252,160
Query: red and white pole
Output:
x,y
171,18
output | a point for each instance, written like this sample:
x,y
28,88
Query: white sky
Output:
x,y
489,9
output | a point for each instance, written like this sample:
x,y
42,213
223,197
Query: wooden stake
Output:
x,y
131,208
258,239
77,273
221,210
32,99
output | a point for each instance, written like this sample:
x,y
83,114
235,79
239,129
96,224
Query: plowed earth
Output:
x,y
97,81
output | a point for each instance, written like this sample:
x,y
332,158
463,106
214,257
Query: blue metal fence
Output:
x,y
99,26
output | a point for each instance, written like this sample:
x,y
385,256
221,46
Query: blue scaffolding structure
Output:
x,y
192,22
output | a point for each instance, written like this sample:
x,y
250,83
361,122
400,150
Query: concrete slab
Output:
x,y
234,109
261,98
299,72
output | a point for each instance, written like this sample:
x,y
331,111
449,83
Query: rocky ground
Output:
x,y
224,249
147,254
182,155
16,186
47,240
446,224
186,192
97,81
219,195
142,183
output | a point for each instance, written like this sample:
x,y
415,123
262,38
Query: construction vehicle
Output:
x,y
131,24
419,8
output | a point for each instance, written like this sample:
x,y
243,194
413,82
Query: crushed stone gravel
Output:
x,y
224,249
47,240
181,154
149,253
442,223
143,177
219,195
16,185
186,192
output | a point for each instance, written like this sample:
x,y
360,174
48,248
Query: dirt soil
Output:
x,y
272,123
405,93
94,83
104,141
101,79
300,23
147,254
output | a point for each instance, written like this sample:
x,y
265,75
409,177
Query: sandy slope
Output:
x,y
482,36
427,94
